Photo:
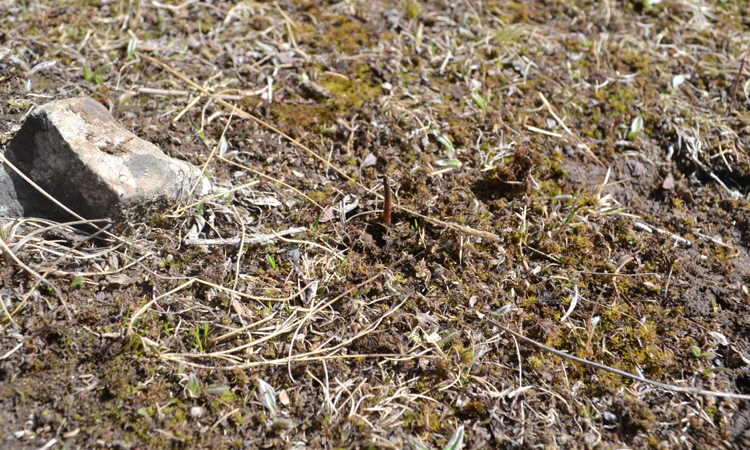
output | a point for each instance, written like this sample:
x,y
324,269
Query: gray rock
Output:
x,y
9,204
78,153
19,199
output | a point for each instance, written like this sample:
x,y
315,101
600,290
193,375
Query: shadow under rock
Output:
x,y
19,199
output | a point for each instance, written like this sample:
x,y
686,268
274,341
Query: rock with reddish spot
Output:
x,y
76,151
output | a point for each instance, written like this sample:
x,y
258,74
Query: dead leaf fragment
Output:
x,y
313,90
121,279
422,271
668,183
284,398
327,215
426,319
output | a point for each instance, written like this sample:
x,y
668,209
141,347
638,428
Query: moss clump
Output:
x,y
637,61
351,94
307,117
347,36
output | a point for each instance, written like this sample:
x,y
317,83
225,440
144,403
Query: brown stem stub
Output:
x,y
387,200
737,80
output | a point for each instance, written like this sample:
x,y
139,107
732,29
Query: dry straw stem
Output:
x,y
145,307
179,358
54,226
319,354
8,316
28,269
241,113
21,304
51,198
82,220
248,296
326,248
668,387
199,180
240,241
275,180
325,305
567,130
244,328
216,195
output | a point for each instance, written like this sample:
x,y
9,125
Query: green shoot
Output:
x,y
271,261
635,127
193,386
698,353
412,9
86,71
267,396
132,44
479,100
443,139
216,389
456,441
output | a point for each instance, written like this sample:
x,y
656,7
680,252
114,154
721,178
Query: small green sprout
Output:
x,y
416,444
504,310
193,386
86,71
698,353
267,396
216,389
635,127
223,146
197,336
271,261
449,163
412,9
77,281
456,441
443,139
479,100
19,104
224,194
132,44
96,76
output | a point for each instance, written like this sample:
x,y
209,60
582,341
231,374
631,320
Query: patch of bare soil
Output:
x,y
576,173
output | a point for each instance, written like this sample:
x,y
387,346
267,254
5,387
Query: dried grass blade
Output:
x,y
567,130
28,269
242,113
145,307
572,306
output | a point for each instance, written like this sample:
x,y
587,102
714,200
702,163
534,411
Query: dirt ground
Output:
x,y
573,172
